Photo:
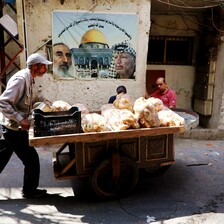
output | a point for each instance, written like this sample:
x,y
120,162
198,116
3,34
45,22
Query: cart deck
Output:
x,y
102,136
111,159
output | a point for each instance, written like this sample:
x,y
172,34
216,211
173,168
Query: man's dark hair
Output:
x,y
121,89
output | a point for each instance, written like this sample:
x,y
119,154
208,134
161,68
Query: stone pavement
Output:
x,y
189,192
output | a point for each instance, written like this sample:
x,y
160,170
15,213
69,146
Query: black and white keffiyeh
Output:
x,y
124,47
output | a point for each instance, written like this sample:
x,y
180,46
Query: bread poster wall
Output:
x,y
89,45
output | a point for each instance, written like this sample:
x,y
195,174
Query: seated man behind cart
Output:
x,y
120,89
167,95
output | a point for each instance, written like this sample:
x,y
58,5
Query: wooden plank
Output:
x,y
116,165
67,167
102,136
61,172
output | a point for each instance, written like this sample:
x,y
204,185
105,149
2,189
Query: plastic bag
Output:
x,y
120,119
146,113
93,122
123,101
168,117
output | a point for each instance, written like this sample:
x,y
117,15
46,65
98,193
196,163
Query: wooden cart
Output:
x,y
111,159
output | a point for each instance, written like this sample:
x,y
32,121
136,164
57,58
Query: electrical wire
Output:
x,y
188,6
186,24
213,23
172,28
185,17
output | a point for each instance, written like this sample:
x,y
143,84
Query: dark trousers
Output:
x,y
5,154
18,141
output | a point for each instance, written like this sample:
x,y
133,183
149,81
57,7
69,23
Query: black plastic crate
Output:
x,y
56,123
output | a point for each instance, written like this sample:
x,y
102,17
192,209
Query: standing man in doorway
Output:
x,y
164,93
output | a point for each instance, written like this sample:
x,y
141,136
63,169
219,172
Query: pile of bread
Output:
x,y
124,114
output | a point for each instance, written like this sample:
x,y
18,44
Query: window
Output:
x,y
170,50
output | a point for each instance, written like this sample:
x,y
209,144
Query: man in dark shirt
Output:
x,y
120,89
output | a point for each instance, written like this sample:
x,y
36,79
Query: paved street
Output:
x,y
189,192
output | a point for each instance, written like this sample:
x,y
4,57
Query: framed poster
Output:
x,y
90,45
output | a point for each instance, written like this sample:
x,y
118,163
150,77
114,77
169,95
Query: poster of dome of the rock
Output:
x,y
89,45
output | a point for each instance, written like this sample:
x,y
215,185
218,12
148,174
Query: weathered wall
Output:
x,y
38,27
217,118
181,80
174,25
93,93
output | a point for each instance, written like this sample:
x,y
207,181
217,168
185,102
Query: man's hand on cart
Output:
x,y
24,124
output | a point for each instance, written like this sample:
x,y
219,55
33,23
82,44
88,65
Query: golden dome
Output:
x,y
95,36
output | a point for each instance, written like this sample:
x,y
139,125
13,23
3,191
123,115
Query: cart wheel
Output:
x,y
105,186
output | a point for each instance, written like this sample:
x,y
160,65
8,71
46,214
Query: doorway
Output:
x,y
151,77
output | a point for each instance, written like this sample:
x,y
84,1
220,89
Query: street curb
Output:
x,y
202,134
